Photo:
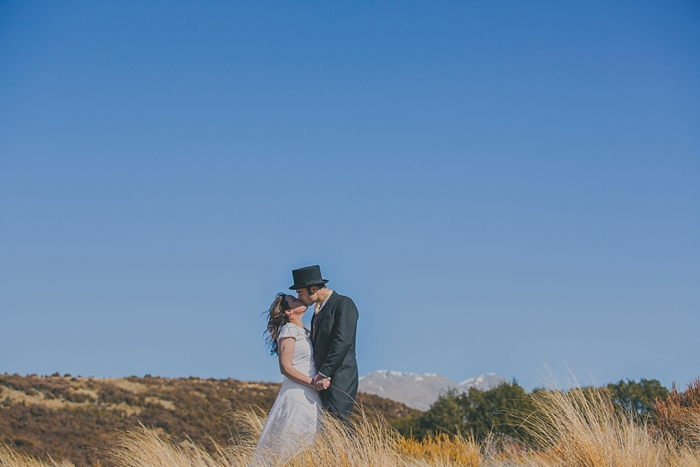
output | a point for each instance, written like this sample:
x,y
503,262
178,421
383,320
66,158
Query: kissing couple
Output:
x,y
319,366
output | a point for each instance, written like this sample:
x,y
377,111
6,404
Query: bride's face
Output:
x,y
296,306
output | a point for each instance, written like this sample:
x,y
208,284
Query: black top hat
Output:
x,y
306,277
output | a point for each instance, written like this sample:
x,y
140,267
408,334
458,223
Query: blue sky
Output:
x,y
497,185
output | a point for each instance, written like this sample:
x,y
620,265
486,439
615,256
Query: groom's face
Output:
x,y
305,297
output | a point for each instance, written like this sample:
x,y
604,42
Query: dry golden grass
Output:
x,y
370,442
576,428
582,428
12,458
679,415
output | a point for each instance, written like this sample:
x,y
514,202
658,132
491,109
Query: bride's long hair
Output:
x,y
276,318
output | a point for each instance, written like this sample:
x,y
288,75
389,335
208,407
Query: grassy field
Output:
x,y
71,418
574,428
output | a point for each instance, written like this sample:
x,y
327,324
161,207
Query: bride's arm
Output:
x,y
286,354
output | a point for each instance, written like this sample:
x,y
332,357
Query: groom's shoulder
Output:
x,y
343,300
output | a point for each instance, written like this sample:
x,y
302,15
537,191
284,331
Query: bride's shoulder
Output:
x,y
292,330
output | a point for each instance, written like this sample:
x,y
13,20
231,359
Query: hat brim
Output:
x,y
303,286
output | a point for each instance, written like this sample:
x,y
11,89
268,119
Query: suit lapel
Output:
x,y
329,303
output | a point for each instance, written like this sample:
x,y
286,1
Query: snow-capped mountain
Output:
x,y
482,382
420,391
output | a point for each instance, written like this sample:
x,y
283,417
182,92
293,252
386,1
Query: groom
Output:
x,y
333,329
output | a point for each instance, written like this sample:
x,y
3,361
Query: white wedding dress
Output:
x,y
294,419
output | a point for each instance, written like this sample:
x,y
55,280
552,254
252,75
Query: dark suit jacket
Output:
x,y
333,337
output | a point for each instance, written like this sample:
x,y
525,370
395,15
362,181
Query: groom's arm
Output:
x,y
346,316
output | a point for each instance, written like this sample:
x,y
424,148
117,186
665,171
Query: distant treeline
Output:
x,y
508,410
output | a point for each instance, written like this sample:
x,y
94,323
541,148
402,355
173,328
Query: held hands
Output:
x,y
320,383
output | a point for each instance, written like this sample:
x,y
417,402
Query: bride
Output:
x,y
294,419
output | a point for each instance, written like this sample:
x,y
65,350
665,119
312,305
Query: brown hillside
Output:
x,y
66,417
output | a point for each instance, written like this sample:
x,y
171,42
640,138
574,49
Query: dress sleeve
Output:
x,y
290,330
285,332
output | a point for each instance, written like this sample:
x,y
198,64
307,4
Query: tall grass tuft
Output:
x,y
142,447
368,441
11,458
679,416
582,428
